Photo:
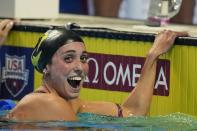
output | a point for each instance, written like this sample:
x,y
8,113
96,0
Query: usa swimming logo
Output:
x,y
14,74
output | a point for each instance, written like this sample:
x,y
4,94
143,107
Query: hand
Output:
x,y
5,27
164,41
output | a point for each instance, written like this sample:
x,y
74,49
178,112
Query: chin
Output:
x,y
73,96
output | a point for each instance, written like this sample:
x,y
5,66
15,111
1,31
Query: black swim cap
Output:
x,y
49,43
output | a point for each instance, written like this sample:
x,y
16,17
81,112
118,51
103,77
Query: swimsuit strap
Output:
x,y
119,110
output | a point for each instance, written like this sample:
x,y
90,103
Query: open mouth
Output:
x,y
74,81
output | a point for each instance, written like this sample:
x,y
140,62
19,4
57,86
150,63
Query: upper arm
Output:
x,y
102,108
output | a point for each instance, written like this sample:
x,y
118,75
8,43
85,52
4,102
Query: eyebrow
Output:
x,y
69,51
73,51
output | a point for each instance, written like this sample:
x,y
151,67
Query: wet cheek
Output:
x,y
63,69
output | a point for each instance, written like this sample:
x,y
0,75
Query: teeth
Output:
x,y
75,78
74,81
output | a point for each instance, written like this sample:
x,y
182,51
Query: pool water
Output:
x,y
92,122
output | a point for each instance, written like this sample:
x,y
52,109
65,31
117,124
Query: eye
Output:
x,y
84,58
68,59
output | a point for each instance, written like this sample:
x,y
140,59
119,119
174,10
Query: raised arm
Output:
x,y
139,100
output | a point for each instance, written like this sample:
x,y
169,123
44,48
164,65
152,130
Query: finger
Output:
x,y
4,23
178,33
182,34
8,27
160,32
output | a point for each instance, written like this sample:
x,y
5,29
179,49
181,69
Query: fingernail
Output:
x,y
11,23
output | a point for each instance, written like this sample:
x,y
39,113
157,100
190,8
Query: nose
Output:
x,y
79,68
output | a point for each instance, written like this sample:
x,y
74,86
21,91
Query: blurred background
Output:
x,y
126,9
186,12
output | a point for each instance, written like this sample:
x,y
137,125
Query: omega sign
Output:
x,y
121,73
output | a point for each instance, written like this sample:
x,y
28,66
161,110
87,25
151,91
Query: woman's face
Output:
x,y
68,69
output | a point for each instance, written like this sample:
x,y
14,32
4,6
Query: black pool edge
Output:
x,y
104,33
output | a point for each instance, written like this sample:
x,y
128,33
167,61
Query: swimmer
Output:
x,y
61,56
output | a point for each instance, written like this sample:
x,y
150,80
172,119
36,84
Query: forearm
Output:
x,y
138,101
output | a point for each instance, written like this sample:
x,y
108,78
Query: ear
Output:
x,y
46,69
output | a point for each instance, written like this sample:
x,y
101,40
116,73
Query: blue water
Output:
x,y
92,122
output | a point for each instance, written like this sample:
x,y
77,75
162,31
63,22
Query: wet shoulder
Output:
x,y
39,106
